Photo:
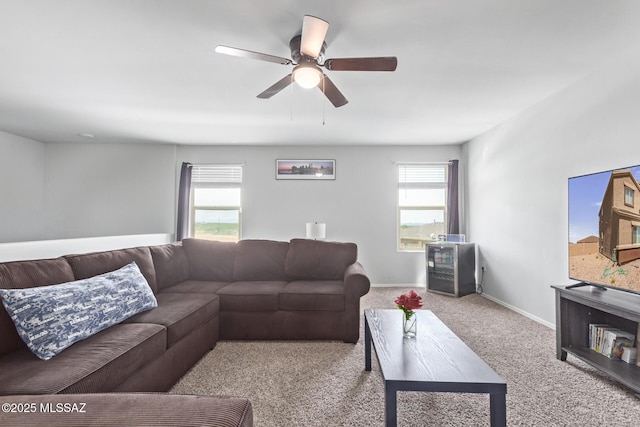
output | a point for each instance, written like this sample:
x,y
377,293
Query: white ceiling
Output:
x,y
146,70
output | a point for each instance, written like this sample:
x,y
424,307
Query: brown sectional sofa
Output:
x,y
206,291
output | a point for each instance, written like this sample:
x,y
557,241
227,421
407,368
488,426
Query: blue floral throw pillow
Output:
x,y
51,318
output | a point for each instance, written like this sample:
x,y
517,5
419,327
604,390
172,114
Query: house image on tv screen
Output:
x,y
619,214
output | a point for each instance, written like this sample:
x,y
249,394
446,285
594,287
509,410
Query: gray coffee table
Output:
x,y
436,360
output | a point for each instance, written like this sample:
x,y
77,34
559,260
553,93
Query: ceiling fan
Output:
x,y
307,56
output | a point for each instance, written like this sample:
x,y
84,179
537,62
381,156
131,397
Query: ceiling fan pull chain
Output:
x,y
322,101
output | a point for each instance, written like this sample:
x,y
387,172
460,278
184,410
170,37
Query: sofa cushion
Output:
x,y
51,318
93,264
196,286
42,272
315,259
27,274
171,264
304,295
180,313
210,260
250,296
99,363
260,260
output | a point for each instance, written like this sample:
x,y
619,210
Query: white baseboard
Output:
x,y
520,311
489,297
398,285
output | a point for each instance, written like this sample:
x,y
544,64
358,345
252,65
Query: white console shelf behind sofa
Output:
x,y
42,249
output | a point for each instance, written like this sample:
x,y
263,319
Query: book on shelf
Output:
x,y
615,342
609,340
595,333
629,355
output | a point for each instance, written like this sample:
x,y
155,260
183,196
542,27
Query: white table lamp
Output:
x,y
316,230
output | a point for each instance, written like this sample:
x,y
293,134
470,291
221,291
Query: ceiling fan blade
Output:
x,y
242,53
331,91
314,31
280,84
383,63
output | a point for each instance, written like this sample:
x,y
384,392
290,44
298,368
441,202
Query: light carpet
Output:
x,y
325,384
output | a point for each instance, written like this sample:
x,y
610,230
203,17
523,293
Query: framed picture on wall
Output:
x,y
306,169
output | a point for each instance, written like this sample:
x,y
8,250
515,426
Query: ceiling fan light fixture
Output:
x,y
307,75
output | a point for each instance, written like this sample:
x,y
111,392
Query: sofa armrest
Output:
x,y
356,285
356,282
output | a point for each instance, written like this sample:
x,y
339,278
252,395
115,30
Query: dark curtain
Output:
x,y
184,191
453,220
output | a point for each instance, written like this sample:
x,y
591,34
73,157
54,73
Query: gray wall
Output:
x,y
517,181
359,206
94,190
108,190
21,188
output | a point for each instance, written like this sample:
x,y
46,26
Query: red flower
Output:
x,y
410,301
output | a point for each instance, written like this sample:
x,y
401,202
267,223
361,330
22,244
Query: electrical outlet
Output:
x,y
484,266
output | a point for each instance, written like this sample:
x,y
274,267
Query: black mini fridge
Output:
x,y
451,268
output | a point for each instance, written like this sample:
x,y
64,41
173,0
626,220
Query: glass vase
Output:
x,y
409,324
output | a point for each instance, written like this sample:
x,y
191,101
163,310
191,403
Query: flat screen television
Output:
x,y
604,229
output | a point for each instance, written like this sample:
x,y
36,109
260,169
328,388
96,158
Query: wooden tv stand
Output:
x,y
577,307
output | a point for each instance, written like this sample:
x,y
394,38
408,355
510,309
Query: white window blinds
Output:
x,y
421,175
218,176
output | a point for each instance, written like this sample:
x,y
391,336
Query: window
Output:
x,y
628,196
422,192
636,235
216,209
